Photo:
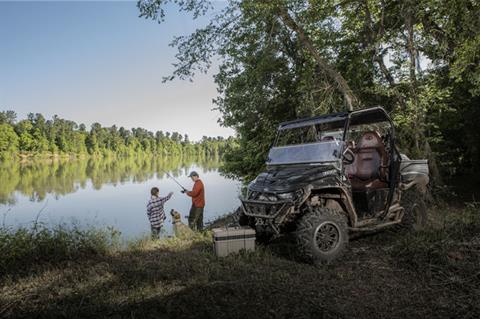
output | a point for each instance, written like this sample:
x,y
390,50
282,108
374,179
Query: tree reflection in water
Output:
x,y
38,178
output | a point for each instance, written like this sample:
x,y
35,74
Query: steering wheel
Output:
x,y
348,156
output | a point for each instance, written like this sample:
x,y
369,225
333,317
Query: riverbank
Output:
x,y
433,273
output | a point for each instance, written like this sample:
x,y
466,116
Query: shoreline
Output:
x,y
432,271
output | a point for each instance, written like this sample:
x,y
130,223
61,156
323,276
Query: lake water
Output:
x,y
107,192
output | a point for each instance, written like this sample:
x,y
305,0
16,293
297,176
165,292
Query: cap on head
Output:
x,y
193,173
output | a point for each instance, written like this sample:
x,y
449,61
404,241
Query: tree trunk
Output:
x,y
421,140
419,118
374,37
334,75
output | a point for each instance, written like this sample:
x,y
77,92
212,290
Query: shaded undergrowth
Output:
x,y
433,273
446,255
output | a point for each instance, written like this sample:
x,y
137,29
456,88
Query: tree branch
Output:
x,y
374,37
334,75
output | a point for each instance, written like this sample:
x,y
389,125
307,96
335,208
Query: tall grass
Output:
x,y
447,251
22,248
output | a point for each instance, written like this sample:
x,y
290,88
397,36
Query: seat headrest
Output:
x,y
370,139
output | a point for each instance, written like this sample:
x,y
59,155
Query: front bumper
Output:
x,y
270,210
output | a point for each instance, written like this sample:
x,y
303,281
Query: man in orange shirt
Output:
x,y
195,218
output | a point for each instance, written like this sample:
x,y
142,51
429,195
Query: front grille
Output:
x,y
267,198
273,197
265,209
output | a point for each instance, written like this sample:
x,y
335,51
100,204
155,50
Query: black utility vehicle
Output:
x,y
331,175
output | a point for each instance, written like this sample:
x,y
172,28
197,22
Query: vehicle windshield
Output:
x,y
316,143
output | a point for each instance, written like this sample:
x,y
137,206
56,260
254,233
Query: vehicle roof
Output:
x,y
363,116
370,115
314,120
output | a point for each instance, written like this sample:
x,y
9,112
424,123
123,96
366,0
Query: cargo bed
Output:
x,y
411,169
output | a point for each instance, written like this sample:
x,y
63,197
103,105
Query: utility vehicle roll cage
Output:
x,y
361,117
366,116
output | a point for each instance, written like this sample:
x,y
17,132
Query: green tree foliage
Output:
x,y
35,135
8,117
281,60
8,140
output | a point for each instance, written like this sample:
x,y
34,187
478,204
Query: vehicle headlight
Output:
x,y
285,196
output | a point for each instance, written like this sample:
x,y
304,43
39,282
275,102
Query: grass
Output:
x,y
433,273
23,248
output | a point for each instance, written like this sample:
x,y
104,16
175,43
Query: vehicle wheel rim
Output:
x,y
327,236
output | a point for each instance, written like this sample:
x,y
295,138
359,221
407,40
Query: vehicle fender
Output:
x,y
414,173
337,198
420,181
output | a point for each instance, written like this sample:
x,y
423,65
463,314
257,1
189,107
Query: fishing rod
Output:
x,y
183,188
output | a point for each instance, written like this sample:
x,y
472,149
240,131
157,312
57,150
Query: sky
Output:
x,y
99,62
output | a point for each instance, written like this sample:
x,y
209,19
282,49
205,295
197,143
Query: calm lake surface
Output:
x,y
107,192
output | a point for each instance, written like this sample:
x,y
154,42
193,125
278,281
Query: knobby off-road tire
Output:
x,y
242,219
261,237
415,211
322,235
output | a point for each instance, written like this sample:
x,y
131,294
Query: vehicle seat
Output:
x,y
370,163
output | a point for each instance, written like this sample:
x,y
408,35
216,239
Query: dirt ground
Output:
x,y
431,274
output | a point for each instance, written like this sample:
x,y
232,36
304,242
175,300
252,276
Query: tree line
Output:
x,y
36,135
282,60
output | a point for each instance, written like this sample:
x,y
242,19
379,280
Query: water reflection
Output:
x,y
36,179
106,191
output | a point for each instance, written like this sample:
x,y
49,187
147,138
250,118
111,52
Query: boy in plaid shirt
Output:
x,y
155,212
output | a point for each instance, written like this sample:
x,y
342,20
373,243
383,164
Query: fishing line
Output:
x,y
183,188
